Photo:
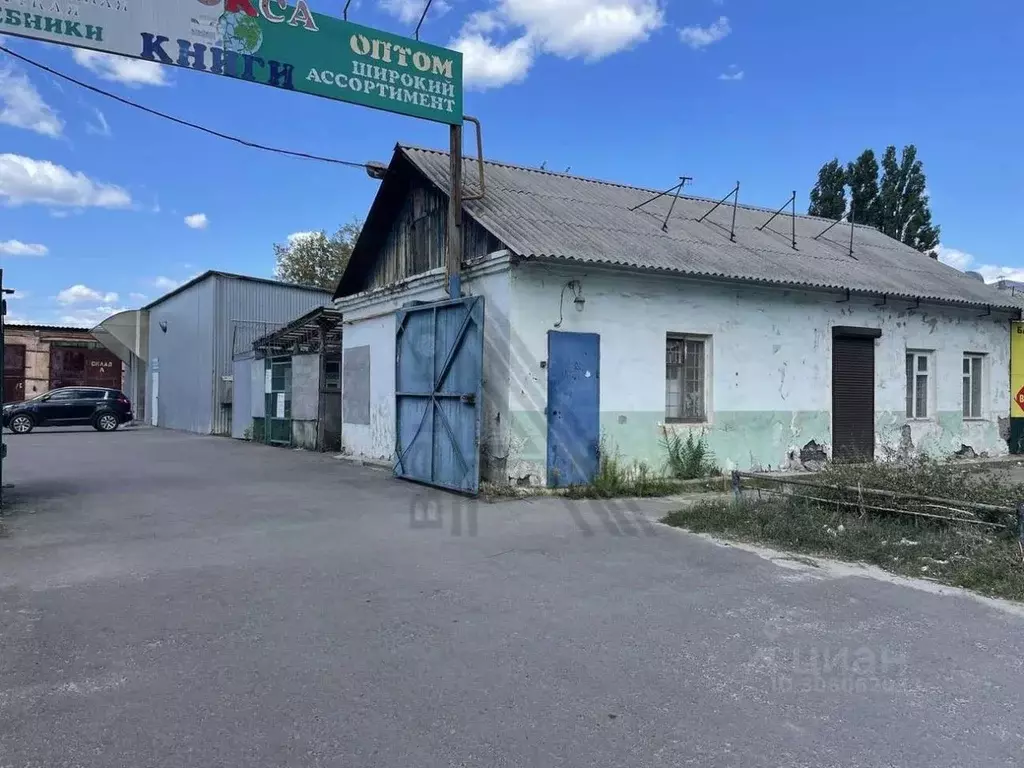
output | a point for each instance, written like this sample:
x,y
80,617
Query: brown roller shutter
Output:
x,y
14,373
853,394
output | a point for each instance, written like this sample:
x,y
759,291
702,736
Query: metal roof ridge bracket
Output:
x,y
668,191
675,197
851,217
791,201
735,195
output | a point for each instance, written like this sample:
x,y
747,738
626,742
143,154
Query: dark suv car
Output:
x,y
103,409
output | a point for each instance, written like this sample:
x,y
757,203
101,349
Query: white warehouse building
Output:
x,y
612,316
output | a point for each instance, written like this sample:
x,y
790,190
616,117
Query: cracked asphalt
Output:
x,y
172,600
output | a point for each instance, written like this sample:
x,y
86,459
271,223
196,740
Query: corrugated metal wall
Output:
x,y
249,300
184,355
196,349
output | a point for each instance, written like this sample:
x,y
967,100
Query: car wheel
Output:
x,y
106,422
21,424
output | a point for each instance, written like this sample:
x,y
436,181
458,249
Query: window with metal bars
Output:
x,y
685,378
332,374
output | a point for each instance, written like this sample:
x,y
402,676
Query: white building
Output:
x,y
640,315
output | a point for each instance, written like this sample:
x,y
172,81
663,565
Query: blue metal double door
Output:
x,y
438,392
574,408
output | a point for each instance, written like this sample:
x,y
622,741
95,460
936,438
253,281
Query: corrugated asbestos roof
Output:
x,y
539,214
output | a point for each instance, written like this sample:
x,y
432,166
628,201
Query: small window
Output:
x,y
92,394
918,367
685,379
332,374
64,394
974,365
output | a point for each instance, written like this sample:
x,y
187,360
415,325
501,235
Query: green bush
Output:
x,y
687,459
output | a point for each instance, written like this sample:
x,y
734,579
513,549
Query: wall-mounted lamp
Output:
x,y
577,299
163,326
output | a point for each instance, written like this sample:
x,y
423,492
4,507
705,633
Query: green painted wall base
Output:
x,y
752,439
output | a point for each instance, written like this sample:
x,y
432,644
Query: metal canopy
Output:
x,y
314,332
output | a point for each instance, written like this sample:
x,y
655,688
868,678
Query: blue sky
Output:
x,y
103,207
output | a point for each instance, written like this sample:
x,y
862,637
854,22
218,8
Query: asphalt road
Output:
x,y
169,600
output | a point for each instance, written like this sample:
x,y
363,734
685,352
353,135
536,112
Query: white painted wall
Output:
x,y
370,321
770,364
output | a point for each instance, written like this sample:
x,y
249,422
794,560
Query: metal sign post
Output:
x,y
453,264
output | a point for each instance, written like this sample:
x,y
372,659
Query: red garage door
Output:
x,y
80,367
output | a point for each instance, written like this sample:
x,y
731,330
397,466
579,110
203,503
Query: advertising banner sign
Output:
x,y
262,41
1017,369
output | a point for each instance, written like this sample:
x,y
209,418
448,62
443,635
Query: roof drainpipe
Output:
x,y
479,159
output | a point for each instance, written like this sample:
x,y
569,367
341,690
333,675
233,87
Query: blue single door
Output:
x,y
574,412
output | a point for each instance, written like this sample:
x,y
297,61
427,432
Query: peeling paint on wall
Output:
x,y
770,366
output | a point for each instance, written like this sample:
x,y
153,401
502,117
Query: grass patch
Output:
x,y
615,479
985,561
687,459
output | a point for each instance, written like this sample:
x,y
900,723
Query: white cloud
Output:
x,y
698,37
101,127
24,180
90,317
409,11
197,221
587,29
134,296
592,29
18,248
295,237
166,283
81,294
21,105
19,295
954,258
487,65
732,72
483,23
16,318
131,72
967,262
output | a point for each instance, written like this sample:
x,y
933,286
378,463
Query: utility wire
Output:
x,y
178,120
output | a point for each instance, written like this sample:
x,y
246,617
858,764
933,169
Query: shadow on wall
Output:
x,y
508,450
